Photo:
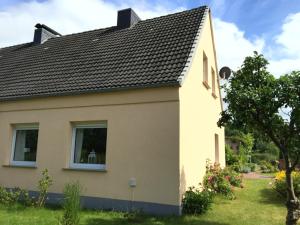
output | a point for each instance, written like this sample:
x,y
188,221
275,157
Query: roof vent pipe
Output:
x,y
42,33
127,18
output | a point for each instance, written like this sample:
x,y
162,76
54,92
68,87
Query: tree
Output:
x,y
259,102
245,140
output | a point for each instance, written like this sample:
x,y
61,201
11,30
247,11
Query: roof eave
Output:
x,y
103,90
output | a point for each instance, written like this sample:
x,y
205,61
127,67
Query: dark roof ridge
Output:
x,y
14,46
104,28
62,36
87,31
176,13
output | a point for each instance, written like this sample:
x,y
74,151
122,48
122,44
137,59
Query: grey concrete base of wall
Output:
x,y
118,205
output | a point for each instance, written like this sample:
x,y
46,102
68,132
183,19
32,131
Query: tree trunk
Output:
x,y
292,204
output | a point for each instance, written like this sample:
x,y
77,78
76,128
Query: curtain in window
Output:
x,y
19,154
78,145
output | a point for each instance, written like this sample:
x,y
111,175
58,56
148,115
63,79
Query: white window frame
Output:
x,y
86,166
205,71
213,81
15,129
217,149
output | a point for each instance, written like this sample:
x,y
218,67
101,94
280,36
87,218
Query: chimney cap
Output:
x,y
43,26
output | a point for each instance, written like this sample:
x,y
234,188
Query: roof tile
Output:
x,y
151,53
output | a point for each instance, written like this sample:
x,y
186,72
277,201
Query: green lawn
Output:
x,y
256,204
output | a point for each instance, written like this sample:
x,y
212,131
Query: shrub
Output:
x,y
237,167
279,183
265,146
71,204
9,196
43,185
247,168
220,180
26,199
267,167
13,195
252,167
258,157
235,179
196,201
230,156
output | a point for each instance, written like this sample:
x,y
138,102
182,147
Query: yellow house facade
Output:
x,y
131,145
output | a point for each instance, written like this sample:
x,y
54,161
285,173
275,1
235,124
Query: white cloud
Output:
x,y
288,50
66,16
289,38
283,66
283,56
232,46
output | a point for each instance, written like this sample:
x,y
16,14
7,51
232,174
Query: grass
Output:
x,y
268,174
256,204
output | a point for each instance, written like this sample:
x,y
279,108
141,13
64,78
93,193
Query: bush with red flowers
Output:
x,y
221,181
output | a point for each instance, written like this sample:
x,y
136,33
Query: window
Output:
x,y
216,148
89,146
24,145
213,82
205,70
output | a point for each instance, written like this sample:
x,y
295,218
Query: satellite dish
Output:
x,y
225,72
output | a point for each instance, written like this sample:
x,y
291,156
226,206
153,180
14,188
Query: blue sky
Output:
x,y
241,26
255,17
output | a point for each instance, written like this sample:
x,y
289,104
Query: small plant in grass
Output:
x,y
134,216
196,201
43,185
71,204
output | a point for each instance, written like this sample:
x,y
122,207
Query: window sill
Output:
x,y
85,169
206,84
20,166
214,95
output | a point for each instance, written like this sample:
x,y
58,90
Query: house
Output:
x,y
129,111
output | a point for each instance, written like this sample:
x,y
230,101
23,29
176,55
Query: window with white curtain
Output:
x,y
24,147
89,146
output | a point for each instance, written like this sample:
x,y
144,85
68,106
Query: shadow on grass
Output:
x,y
153,220
270,196
13,208
19,207
100,221
54,207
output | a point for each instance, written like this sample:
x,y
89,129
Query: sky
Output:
x,y
271,27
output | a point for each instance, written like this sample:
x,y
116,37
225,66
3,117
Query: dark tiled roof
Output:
x,y
151,53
